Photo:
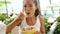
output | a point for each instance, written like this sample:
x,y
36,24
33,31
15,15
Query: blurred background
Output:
x,y
50,10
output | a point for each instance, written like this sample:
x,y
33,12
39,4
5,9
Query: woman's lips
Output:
x,y
28,13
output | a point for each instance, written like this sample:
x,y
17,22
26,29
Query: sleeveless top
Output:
x,y
36,25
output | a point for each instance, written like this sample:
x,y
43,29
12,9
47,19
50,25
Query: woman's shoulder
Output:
x,y
41,18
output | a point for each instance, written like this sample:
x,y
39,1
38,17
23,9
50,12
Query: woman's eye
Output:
x,y
30,5
25,6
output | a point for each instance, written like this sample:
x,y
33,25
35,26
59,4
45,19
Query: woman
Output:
x,y
31,20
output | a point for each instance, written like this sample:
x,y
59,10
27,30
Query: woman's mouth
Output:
x,y
28,13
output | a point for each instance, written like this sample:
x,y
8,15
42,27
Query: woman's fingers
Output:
x,y
21,16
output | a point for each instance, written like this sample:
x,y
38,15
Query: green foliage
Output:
x,y
3,17
7,21
2,3
47,25
58,19
57,30
9,33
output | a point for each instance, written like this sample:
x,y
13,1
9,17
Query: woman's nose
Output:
x,y
27,8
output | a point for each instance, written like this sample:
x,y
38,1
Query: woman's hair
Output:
x,y
37,11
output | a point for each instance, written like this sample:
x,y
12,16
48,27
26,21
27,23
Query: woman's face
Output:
x,y
29,7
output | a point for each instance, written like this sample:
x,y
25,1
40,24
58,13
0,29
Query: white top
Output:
x,y
37,25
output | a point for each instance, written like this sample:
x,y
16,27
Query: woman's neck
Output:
x,y
31,20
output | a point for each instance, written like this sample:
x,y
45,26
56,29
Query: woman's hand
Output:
x,y
21,16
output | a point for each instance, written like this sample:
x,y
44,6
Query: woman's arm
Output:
x,y
42,28
14,23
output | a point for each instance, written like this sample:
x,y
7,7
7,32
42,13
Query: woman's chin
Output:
x,y
28,15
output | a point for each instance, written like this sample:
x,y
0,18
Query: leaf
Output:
x,y
3,2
